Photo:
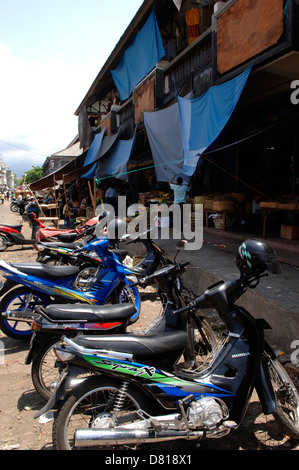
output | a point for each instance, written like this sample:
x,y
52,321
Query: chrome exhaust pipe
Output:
x,y
106,437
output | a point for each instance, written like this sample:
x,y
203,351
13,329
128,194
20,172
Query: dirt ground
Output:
x,y
19,401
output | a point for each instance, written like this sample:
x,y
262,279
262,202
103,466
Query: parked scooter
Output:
x,y
18,205
59,253
66,235
29,285
138,393
56,320
67,248
11,234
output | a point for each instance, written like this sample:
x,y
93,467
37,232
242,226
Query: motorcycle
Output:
x,y
64,253
138,394
57,320
65,235
11,234
18,205
29,285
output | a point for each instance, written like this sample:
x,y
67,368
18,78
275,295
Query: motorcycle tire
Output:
x,y
92,404
3,243
14,301
124,294
44,370
287,399
14,207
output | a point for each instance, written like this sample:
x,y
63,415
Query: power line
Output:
x,y
25,150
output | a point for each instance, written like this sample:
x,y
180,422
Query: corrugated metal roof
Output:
x,y
71,151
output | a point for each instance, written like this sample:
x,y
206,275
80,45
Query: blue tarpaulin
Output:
x,y
90,174
94,148
99,147
164,134
204,118
139,59
115,164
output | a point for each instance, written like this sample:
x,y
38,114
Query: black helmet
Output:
x,y
257,255
116,229
105,214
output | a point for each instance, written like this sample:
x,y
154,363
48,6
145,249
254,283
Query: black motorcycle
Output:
x,y
57,320
139,394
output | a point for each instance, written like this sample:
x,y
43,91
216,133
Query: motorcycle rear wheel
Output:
x,y
287,399
15,301
99,402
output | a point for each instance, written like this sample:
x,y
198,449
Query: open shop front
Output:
x,y
251,184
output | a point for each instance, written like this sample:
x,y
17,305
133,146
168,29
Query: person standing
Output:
x,y
111,197
180,191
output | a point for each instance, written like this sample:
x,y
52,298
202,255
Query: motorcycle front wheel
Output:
x,y
98,403
21,303
287,399
14,207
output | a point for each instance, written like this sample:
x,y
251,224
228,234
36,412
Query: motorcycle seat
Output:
x,y
150,345
46,271
15,227
91,313
67,237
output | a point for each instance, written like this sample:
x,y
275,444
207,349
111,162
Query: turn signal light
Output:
x,y
35,326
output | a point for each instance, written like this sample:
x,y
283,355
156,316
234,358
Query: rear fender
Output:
x,y
7,286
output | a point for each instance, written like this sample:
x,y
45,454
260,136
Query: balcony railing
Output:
x,y
194,64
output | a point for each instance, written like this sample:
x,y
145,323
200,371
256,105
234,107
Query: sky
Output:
x,y
50,54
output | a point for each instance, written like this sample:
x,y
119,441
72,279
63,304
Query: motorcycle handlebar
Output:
x,y
232,289
164,271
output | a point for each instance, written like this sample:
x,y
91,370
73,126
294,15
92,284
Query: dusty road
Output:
x,y
19,400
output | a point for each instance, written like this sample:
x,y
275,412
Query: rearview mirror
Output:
x,y
181,244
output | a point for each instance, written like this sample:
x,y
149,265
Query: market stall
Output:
x,y
288,207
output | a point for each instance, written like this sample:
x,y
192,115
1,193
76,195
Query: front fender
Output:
x,y
264,388
7,286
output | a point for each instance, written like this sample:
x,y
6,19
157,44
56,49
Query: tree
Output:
x,y
32,175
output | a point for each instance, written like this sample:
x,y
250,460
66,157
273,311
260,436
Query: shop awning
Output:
x,y
204,118
139,58
115,163
50,180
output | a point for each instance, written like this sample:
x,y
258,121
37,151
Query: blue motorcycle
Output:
x,y
29,285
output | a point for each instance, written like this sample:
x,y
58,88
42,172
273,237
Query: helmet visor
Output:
x,y
272,263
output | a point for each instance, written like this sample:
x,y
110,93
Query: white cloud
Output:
x,y
37,105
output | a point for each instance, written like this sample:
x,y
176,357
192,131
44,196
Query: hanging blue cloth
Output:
x,y
115,164
139,59
94,148
204,118
90,174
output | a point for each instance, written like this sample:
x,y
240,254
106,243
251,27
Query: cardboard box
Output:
x,y
290,232
229,206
